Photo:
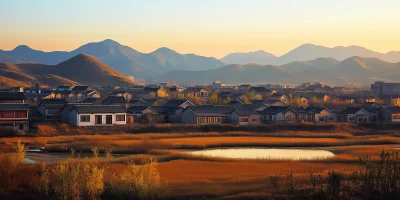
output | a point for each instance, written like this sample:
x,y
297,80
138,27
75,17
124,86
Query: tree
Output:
x,y
213,99
296,101
196,100
250,96
245,100
315,100
226,100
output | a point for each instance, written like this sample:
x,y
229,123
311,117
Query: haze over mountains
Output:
x,y
328,70
309,52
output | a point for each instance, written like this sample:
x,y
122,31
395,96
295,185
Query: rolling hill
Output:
x,y
88,70
307,52
80,69
122,58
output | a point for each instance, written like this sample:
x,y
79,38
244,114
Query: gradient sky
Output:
x,y
205,27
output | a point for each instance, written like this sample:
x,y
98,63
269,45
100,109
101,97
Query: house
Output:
x,y
50,108
217,85
95,101
390,114
183,103
80,88
169,114
92,94
278,114
323,115
142,114
261,91
281,97
158,92
195,92
256,107
201,115
127,95
391,99
244,116
145,94
225,110
12,97
97,115
16,89
65,114
14,116
137,102
315,88
63,88
115,100
303,114
233,96
235,103
354,115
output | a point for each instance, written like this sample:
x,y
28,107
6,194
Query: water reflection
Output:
x,y
262,153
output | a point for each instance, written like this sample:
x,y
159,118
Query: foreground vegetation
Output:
x,y
153,166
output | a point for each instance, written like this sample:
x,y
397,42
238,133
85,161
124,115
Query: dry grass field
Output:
x,y
186,176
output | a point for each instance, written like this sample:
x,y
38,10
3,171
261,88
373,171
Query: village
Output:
x,y
24,108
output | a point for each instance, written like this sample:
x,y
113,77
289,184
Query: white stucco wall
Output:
x,y
75,119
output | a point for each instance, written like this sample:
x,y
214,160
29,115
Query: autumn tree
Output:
x,y
213,99
250,96
245,100
296,101
196,100
227,100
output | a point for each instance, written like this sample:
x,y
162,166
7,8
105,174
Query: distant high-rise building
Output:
x,y
380,88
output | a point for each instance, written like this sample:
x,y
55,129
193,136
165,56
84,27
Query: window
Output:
x,y
244,119
120,118
85,118
321,119
21,114
254,119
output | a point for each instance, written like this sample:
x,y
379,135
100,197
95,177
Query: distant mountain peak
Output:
x,y
110,42
22,48
164,50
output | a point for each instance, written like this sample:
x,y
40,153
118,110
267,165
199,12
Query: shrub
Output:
x,y
136,182
73,180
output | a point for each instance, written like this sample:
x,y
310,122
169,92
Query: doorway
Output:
x,y
98,119
108,119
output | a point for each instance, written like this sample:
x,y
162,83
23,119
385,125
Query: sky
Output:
x,y
205,27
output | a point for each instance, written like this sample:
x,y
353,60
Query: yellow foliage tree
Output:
x,y
213,99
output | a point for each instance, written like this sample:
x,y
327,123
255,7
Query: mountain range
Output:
x,y
80,69
309,52
307,62
354,69
122,58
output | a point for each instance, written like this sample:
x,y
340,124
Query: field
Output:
x,y
186,176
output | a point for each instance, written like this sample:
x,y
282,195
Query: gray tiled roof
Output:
x,y
89,109
245,111
12,96
10,106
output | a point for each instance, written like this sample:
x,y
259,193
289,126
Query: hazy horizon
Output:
x,y
206,28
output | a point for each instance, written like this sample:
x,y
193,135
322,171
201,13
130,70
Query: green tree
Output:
x,y
213,99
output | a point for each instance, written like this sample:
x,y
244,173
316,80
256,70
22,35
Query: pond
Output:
x,y
265,153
